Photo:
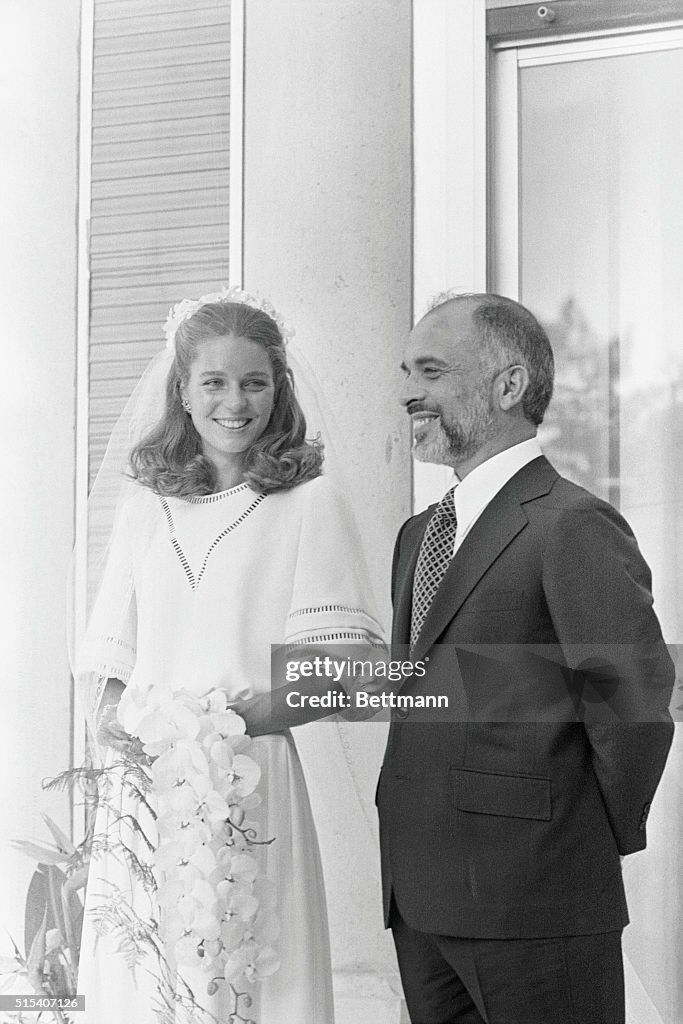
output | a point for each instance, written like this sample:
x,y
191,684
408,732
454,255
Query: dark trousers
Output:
x,y
565,980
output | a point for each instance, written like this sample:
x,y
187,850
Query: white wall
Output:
x,y
38,177
327,228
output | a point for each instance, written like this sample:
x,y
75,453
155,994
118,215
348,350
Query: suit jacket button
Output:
x,y
402,713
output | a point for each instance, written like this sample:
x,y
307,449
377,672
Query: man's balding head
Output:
x,y
508,334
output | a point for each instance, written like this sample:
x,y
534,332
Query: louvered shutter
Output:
x,y
160,183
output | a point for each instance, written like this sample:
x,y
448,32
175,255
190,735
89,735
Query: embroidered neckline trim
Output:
x,y
193,580
202,499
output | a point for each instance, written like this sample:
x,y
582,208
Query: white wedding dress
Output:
x,y
213,582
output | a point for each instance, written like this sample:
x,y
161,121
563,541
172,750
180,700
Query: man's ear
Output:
x,y
511,385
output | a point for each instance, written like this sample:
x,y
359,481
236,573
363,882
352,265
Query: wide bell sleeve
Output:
x,y
108,647
332,598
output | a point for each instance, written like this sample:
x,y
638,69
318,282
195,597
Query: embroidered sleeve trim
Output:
x,y
109,656
339,636
116,641
108,670
334,609
327,608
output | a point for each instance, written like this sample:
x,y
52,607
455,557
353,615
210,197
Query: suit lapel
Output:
x,y
498,525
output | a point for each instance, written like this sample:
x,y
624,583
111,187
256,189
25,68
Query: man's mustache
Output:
x,y
417,407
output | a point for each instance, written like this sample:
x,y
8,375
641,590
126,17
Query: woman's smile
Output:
x,y
232,425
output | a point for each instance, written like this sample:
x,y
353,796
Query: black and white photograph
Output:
x,y
342,527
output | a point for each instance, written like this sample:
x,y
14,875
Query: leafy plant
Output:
x,y
53,921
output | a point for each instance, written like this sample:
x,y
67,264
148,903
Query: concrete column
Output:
x,y
327,228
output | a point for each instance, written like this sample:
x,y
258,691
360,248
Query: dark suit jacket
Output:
x,y
509,821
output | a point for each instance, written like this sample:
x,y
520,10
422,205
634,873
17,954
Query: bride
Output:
x,y
228,539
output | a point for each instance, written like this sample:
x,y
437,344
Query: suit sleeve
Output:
x,y
599,592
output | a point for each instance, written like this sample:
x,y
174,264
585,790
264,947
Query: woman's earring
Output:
x,y
186,405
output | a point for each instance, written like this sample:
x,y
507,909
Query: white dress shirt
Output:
x,y
479,487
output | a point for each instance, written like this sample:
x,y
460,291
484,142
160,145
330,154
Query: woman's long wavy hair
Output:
x,y
169,459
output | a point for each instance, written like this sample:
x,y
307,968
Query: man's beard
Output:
x,y
450,444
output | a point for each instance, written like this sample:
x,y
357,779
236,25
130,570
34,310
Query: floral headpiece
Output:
x,y
188,307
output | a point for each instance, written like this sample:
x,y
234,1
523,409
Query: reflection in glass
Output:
x,y
601,217
601,263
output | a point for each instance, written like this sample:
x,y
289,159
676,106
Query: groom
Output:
x,y
530,605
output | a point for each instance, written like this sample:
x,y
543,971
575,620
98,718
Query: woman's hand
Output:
x,y
111,733
257,712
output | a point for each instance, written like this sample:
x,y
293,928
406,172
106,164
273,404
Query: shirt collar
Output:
x,y
479,487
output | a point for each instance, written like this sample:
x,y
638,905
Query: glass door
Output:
x,y
586,228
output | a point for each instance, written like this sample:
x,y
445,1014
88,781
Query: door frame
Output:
x,y
449,169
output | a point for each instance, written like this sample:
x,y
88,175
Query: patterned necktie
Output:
x,y
436,553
